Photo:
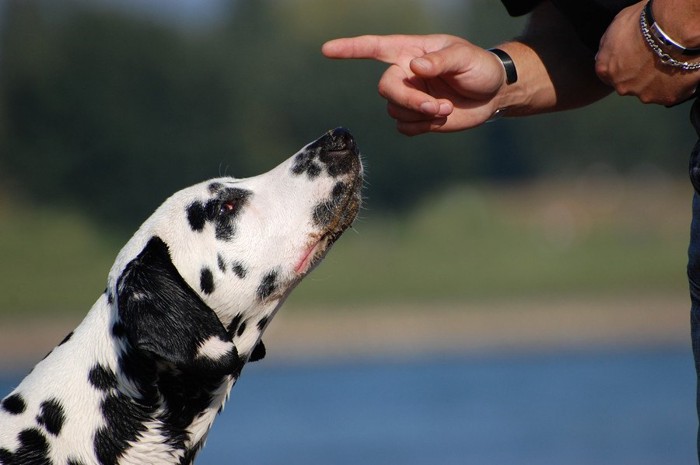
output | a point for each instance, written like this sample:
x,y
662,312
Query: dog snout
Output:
x,y
334,153
339,141
338,151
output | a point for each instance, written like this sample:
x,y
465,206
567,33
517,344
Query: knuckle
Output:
x,y
408,129
601,69
383,89
392,110
668,100
623,89
437,59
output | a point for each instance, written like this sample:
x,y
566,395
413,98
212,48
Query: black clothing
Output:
x,y
694,254
590,18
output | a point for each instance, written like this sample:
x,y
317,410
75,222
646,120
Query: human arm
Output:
x,y
626,62
442,83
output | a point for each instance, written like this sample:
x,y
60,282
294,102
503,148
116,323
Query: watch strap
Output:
x,y
508,65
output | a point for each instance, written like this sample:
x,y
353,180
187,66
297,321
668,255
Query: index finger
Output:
x,y
381,48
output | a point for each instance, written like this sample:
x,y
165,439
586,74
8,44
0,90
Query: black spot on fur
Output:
x,y
224,230
232,327
222,210
313,170
124,421
258,352
110,297
118,330
304,163
101,378
215,187
263,323
196,216
5,456
51,416
323,213
14,404
221,263
241,329
239,270
66,339
339,190
33,450
206,281
190,453
268,285
75,462
336,164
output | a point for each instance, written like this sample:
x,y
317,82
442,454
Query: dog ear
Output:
x,y
165,319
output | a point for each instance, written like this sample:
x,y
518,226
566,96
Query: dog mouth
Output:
x,y
336,214
343,215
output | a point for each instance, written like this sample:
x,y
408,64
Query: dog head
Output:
x,y
188,298
203,276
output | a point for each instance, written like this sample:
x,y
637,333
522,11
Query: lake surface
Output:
x,y
603,406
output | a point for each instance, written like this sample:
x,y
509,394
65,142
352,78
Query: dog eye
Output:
x,y
227,207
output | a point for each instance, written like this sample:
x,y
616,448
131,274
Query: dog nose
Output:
x,y
340,140
338,151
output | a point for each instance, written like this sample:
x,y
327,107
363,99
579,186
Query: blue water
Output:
x,y
573,407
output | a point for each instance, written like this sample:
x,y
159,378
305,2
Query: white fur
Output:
x,y
273,232
214,348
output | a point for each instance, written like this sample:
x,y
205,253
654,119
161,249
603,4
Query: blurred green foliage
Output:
x,y
110,112
468,244
532,241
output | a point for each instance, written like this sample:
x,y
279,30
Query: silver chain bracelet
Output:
x,y
660,53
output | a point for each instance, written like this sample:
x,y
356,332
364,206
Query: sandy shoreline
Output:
x,y
422,328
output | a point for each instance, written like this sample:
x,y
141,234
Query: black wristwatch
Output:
x,y
508,65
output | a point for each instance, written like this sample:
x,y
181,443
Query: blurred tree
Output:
x,y
107,112
112,113
292,92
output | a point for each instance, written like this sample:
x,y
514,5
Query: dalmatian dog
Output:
x,y
142,378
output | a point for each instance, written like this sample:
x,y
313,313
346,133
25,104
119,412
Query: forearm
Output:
x,y
555,70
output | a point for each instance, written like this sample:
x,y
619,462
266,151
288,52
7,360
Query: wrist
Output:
x,y
529,94
667,49
510,77
511,72
680,19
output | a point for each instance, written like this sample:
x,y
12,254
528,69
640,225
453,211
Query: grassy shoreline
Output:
x,y
413,329
549,238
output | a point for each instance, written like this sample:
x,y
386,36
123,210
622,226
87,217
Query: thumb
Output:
x,y
453,59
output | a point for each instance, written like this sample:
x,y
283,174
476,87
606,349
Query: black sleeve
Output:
x,y
519,7
590,18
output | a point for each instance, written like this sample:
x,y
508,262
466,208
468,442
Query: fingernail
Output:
x,y
421,63
430,108
445,109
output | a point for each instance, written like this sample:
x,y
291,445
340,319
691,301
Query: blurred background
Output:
x,y
511,294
